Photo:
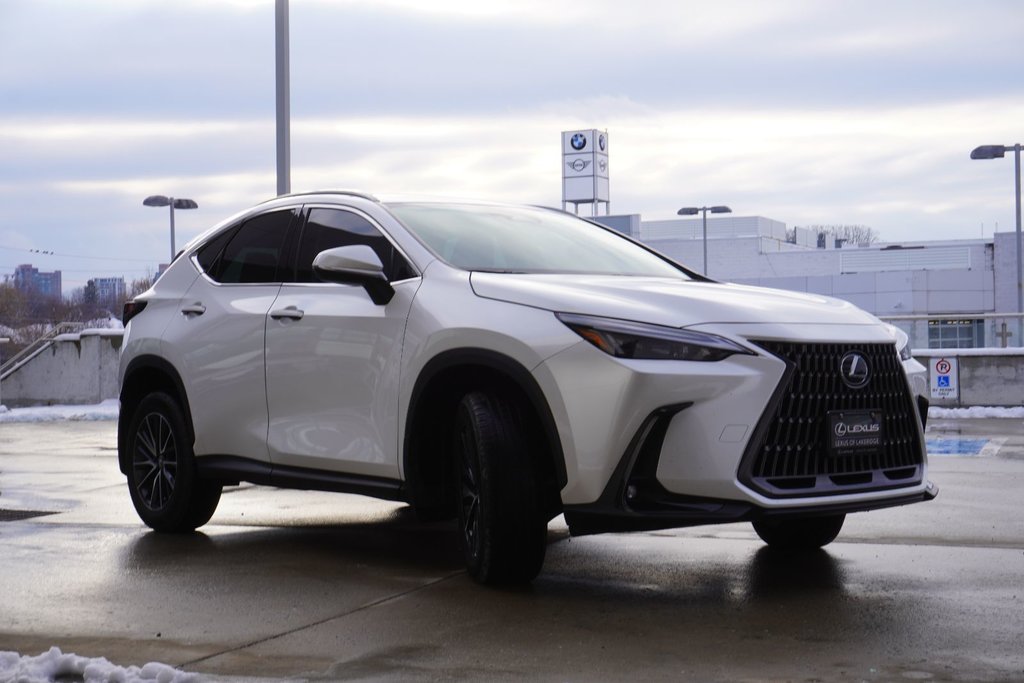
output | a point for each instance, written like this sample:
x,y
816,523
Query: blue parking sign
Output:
x,y
943,381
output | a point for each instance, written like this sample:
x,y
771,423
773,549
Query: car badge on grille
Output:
x,y
854,369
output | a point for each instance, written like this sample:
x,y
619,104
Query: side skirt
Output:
x,y
232,469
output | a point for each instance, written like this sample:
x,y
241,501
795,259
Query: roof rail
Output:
x,y
349,193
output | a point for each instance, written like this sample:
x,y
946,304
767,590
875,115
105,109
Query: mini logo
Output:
x,y
601,142
578,141
603,165
854,370
578,165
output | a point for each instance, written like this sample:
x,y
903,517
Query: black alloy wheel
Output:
x,y
808,533
502,525
165,488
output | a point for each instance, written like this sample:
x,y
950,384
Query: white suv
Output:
x,y
502,365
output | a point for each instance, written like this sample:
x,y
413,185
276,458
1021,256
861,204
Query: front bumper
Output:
x,y
635,500
744,440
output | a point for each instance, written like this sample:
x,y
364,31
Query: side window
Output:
x,y
254,252
209,253
330,228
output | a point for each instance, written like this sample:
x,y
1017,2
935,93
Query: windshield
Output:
x,y
525,240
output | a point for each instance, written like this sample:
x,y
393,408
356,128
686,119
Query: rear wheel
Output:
x,y
806,533
503,527
165,487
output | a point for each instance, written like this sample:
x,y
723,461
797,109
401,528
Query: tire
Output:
x,y
165,488
502,525
808,533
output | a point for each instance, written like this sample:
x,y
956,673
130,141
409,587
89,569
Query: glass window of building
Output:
x,y
956,334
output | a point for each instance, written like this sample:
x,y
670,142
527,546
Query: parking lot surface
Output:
x,y
286,585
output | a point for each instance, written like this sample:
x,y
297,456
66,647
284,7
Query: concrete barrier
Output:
x,y
986,377
74,369
81,368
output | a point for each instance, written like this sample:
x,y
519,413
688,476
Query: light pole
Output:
x,y
693,211
283,98
179,203
997,152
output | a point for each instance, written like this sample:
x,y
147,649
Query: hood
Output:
x,y
665,301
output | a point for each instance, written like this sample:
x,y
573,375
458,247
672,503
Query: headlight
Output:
x,y
626,339
902,341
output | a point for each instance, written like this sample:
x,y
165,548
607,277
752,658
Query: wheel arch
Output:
x,y
144,375
432,405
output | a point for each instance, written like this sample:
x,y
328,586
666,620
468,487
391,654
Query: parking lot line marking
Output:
x,y
956,445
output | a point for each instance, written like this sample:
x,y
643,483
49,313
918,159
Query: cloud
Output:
x,y
802,111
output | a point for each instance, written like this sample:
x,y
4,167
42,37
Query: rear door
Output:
x,y
217,340
333,356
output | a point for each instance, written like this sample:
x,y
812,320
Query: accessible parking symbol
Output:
x,y
944,374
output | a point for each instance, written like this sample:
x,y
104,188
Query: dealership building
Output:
x,y
945,294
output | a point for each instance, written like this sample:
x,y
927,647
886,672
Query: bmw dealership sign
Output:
x,y
585,168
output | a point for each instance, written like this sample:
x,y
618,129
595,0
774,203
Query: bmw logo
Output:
x,y
601,142
578,141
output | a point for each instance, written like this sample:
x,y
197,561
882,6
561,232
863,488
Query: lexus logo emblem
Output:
x,y
854,370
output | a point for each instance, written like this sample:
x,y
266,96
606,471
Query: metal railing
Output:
x,y
35,348
961,330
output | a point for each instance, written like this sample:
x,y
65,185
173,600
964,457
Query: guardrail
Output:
x,y
37,347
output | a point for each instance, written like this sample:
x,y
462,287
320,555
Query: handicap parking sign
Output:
x,y
944,373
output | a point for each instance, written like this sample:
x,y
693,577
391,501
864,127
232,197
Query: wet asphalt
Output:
x,y
286,585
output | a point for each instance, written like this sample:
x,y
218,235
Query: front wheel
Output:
x,y
799,534
165,487
502,524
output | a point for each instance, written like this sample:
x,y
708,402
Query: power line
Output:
x,y
79,256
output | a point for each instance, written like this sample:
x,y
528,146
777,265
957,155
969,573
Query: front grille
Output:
x,y
789,456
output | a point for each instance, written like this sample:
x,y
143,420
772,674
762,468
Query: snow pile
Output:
x,y
57,666
937,413
102,411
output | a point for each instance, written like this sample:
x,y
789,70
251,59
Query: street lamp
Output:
x,y
997,152
179,203
693,211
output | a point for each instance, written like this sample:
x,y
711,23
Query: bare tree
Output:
x,y
861,235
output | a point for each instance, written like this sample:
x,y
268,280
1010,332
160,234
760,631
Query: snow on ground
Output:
x,y
102,411
975,412
56,666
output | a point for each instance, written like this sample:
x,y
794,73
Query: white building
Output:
x,y
955,282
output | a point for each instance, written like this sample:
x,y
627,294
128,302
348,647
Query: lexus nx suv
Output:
x,y
501,365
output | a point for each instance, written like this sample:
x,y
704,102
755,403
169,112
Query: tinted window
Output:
x,y
210,252
255,251
526,240
330,228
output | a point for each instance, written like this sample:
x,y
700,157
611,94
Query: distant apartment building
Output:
x,y
109,290
29,280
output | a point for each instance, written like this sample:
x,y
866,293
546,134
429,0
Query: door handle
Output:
x,y
193,309
291,312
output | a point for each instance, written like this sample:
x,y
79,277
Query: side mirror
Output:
x,y
355,265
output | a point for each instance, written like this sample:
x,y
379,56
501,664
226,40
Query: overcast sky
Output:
x,y
804,111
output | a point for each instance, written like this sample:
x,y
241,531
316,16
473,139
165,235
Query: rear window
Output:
x,y
252,254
